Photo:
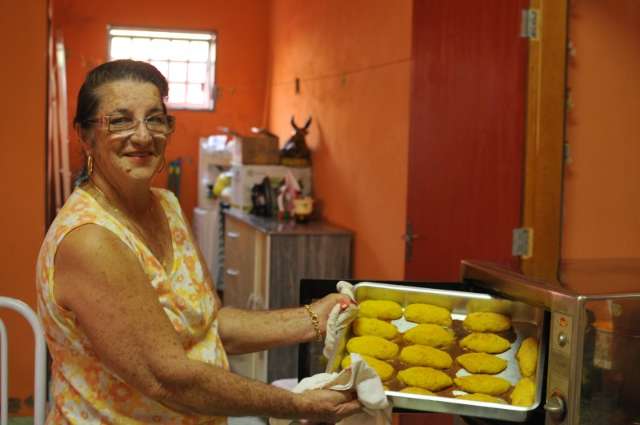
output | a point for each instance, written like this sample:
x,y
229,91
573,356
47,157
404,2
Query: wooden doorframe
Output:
x,y
545,136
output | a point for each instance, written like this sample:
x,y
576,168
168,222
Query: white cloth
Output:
x,y
338,322
367,385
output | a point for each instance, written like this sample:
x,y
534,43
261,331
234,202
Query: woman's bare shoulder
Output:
x,y
92,258
92,242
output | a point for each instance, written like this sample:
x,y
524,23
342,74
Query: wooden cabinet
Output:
x,y
264,262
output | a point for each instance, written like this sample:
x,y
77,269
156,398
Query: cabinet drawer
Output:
x,y
239,246
239,263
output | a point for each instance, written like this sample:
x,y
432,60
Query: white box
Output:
x,y
246,176
260,149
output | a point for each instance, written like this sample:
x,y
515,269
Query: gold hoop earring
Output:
x,y
162,165
89,165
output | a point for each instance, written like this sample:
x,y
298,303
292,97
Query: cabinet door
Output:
x,y
244,265
239,263
296,257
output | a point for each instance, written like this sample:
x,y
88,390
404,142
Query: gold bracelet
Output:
x,y
315,321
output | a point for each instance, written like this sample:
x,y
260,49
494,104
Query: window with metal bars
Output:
x,y
186,58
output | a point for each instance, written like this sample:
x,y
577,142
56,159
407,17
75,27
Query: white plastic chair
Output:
x,y
40,361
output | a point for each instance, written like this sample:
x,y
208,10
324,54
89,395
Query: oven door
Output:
x,y
311,361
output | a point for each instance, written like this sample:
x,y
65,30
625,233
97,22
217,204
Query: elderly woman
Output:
x,y
136,333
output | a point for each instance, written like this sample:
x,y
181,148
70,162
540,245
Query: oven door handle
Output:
x,y
555,407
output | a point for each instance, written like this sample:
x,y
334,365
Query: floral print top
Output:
x,y
83,390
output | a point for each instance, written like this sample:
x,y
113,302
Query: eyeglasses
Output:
x,y
161,124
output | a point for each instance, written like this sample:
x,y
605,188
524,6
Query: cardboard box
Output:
x,y
246,176
261,149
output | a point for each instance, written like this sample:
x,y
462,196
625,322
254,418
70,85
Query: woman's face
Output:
x,y
131,155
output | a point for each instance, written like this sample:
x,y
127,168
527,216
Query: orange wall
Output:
x,y
352,64
602,183
242,27
22,137
353,61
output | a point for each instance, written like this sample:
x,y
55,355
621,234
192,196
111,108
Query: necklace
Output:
x,y
156,245
120,213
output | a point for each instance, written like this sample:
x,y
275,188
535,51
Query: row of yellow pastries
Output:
x,y
423,377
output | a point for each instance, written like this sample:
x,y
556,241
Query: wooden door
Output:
x,y
467,134
467,139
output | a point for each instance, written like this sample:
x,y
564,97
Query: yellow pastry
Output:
x,y
485,343
482,363
528,356
482,397
375,327
424,377
382,368
524,393
416,390
429,334
373,346
487,322
485,384
426,313
422,355
380,309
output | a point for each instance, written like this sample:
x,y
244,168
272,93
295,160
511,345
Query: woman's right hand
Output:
x,y
328,406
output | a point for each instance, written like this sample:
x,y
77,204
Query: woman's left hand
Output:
x,y
323,307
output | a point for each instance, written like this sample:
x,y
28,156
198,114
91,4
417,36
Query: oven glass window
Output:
x,y
611,373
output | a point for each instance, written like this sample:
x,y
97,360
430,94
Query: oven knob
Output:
x,y
562,339
555,407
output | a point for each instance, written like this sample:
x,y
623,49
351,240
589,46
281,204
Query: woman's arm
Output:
x,y
100,280
244,331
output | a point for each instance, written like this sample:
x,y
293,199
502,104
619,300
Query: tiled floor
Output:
x,y
20,420
247,420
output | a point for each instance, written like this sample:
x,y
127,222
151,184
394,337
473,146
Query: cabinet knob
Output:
x,y
255,302
233,235
233,272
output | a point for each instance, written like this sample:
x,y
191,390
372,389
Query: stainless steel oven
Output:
x,y
589,350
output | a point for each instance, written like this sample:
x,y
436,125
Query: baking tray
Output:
x,y
527,321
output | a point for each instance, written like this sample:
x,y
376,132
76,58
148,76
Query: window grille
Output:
x,y
186,59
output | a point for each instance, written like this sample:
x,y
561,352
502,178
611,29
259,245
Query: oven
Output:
x,y
588,345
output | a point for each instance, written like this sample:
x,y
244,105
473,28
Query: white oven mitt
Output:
x,y
337,324
359,377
